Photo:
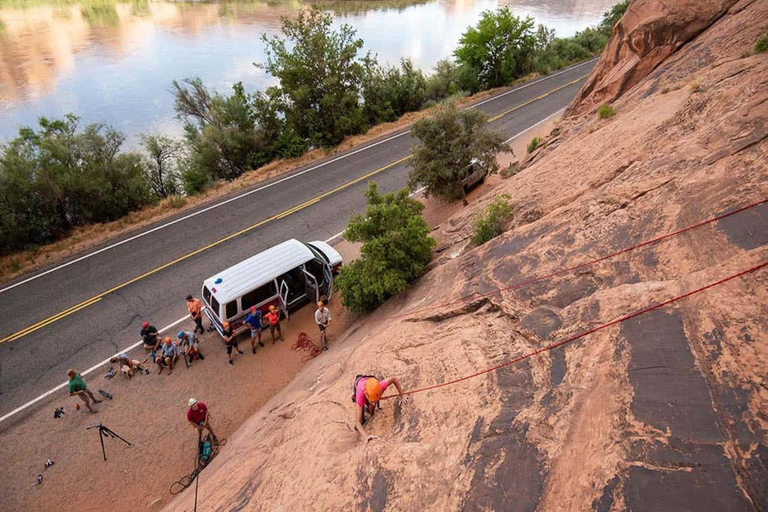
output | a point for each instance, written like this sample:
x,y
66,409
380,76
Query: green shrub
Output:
x,y
61,176
605,111
489,223
762,44
533,144
396,248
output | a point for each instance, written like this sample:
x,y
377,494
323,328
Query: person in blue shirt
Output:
x,y
254,322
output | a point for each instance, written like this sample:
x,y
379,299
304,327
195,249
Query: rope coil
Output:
x,y
304,342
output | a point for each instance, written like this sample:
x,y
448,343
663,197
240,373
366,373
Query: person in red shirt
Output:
x,y
197,415
273,317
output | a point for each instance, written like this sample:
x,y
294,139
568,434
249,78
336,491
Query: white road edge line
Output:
x,y
535,125
86,372
259,189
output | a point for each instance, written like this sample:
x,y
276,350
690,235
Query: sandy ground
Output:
x,y
150,412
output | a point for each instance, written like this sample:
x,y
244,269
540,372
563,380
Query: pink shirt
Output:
x,y
360,391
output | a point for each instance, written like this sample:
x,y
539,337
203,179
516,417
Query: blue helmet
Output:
x,y
180,334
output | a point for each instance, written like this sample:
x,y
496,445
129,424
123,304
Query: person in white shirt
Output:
x,y
323,318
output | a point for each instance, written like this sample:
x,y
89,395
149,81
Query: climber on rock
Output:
x,y
367,393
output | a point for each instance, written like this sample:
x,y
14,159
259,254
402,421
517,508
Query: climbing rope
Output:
x,y
585,333
304,342
187,480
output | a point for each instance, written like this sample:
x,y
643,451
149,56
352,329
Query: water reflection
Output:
x,y
113,62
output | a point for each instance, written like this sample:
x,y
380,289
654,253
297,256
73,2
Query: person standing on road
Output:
x,y
197,415
273,318
230,341
254,322
78,387
150,337
195,308
323,318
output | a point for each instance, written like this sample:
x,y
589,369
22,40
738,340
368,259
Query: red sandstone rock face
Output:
x,y
667,411
649,32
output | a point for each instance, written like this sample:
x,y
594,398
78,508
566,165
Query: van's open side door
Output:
x,y
284,299
328,280
311,286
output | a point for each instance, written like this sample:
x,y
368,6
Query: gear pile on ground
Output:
x,y
667,411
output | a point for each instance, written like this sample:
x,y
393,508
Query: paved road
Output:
x,y
93,308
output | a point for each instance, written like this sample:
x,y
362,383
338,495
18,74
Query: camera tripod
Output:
x,y
106,432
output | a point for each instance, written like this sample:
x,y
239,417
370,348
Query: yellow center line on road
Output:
x,y
93,300
537,98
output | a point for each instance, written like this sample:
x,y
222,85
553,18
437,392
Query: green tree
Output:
x,y
162,165
499,47
396,248
224,137
60,176
449,141
390,92
320,74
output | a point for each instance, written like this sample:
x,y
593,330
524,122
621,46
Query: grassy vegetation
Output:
x,y
533,144
605,111
762,44
490,223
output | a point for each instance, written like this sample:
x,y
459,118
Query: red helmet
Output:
x,y
145,325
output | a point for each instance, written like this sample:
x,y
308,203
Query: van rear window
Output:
x,y
215,306
207,294
259,295
231,309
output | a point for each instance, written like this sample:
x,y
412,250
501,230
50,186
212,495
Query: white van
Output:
x,y
286,276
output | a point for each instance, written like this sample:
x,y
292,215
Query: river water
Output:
x,y
113,62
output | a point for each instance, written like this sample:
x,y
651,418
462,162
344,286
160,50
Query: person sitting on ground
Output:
x,y
323,318
190,346
150,337
273,318
230,341
77,386
368,391
197,415
254,322
168,355
195,308
127,365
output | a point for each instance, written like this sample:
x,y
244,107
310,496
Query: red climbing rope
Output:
x,y
585,333
304,342
568,270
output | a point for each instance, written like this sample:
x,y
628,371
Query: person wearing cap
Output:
x,y
150,337
168,355
127,365
368,391
254,322
195,308
77,386
273,318
230,341
189,345
323,318
197,415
